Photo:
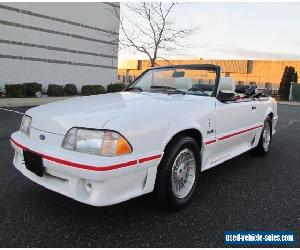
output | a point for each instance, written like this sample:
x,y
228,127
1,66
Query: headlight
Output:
x,y
26,124
97,142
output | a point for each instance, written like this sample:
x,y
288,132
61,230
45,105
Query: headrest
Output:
x,y
227,84
183,83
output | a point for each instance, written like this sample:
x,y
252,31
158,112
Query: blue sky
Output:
x,y
238,30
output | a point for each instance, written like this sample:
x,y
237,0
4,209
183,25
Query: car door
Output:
x,y
235,126
259,109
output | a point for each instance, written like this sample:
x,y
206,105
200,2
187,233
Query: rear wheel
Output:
x,y
177,174
263,146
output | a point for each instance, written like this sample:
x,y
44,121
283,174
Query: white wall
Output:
x,y
52,37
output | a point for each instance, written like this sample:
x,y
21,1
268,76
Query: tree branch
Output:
x,y
153,32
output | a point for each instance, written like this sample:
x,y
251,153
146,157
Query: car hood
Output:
x,y
95,111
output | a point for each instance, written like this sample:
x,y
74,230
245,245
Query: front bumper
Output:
x,y
95,180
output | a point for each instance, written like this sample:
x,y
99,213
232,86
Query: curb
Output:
x,y
290,103
27,102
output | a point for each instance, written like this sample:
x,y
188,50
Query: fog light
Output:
x,y
87,186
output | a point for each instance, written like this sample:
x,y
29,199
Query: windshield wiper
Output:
x,y
170,90
162,87
177,91
134,88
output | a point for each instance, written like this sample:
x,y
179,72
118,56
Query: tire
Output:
x,y
177,174
264,144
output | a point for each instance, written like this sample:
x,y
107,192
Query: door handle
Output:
x,y
253,107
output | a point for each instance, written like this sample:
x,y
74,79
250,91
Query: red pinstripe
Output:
x,y
154,157
120,165
88,167
233,134
210,142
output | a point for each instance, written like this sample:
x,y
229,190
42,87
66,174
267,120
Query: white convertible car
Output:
x,y
159,134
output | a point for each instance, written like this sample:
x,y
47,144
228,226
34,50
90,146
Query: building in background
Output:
x,y
265,73
58,43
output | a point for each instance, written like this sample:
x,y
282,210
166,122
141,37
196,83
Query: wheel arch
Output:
x,y
271,115
192,132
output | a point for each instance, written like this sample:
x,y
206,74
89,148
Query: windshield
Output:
x,y
185,80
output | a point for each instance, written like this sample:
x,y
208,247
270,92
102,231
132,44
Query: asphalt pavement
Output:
x,y
245,193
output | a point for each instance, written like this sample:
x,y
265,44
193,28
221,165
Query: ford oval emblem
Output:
x,y
42,137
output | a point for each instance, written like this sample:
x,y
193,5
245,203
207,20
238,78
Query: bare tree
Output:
x,y
150,30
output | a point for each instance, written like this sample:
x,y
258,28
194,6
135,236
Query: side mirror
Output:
x,y
226,96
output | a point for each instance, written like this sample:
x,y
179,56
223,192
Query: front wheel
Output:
x,y
263,146
177,173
